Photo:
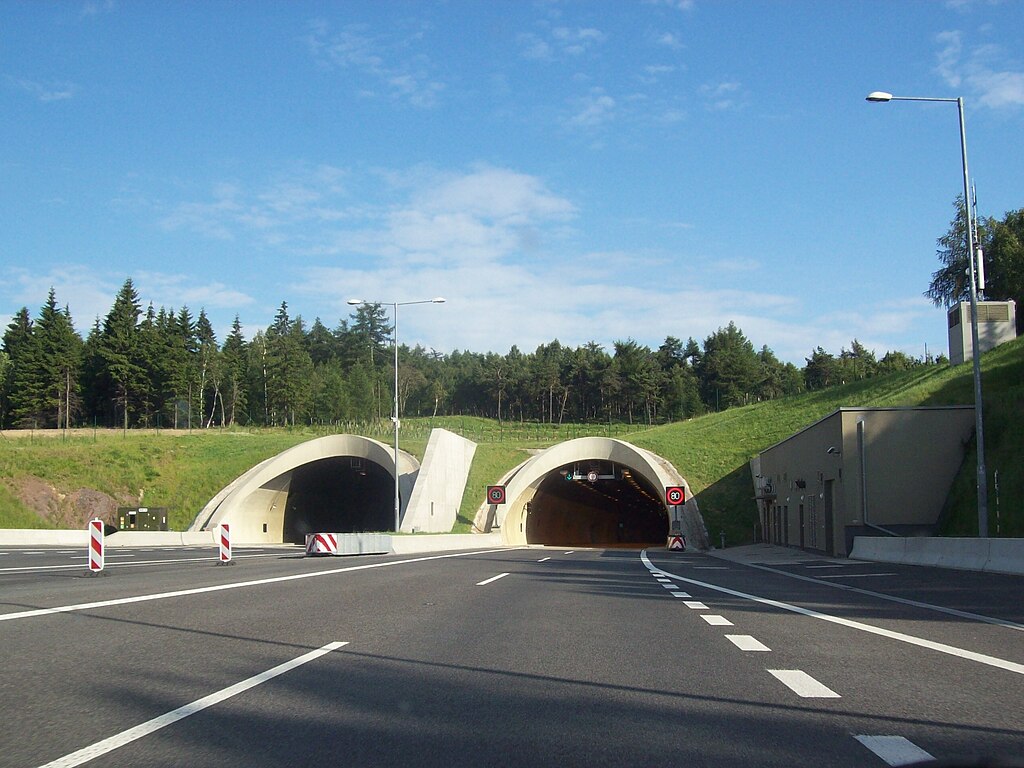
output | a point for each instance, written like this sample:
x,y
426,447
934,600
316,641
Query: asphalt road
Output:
x,y
512,657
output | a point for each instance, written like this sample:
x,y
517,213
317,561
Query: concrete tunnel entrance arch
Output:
x,y
337,483
593,491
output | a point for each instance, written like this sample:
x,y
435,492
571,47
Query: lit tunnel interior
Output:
x,y
341,494
596,504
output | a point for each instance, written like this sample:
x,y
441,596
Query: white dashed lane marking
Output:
x,y
747,643
715,620
695,605
802,684
492,579
894,750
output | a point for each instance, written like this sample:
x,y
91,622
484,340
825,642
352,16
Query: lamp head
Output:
x,y
880,96
437,300
354,302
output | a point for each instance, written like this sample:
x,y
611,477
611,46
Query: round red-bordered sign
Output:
x,y
675,495
495,494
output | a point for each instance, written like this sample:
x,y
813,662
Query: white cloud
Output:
x,y
668,40
722,96
385,61
84,292
505,249
680,5
981,69
575,42
98,7
56,91
89,293
309,195
560,42
594,109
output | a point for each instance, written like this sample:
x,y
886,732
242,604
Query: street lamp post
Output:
x,y
394,414
882,97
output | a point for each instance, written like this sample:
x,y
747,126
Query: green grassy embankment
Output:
x,y
182,471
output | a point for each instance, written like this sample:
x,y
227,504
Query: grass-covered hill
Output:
x,y
52,480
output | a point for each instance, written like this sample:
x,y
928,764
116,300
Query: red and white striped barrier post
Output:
x,y
321,544
96,559
224,537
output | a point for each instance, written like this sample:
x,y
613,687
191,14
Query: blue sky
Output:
x,y
586,171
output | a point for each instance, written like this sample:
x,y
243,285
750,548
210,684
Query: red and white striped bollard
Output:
x,y
96,559
225,545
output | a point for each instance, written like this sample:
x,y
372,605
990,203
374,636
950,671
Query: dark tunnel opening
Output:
x,y
596,504
342,494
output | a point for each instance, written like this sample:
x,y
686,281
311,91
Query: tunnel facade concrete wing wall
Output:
x,y
523,483
440,485
255,503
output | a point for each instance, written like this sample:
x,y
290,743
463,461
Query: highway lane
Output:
x,y
570,658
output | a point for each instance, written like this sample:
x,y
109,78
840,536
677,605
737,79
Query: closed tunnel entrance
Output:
x,y
596,504
341,494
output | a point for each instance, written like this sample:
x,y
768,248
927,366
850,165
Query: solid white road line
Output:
x,y
981,658
133,734
803,685
747,643
715,620
492,579
894,750
695,604
826,566
234,585
857,575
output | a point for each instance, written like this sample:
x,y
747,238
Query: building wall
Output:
x,y
898,469
997,324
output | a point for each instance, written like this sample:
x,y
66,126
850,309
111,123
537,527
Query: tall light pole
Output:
x,y
979,430
394,413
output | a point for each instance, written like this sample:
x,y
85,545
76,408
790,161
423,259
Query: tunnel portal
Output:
x,y
341,494
596,504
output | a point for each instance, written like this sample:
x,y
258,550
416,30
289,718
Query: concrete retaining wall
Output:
x,y
402,545
29,537
384,543
348,543
993,555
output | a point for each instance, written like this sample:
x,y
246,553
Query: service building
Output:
x,y
861,471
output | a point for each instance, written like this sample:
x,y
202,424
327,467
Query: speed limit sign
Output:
x,y
675,495
495,494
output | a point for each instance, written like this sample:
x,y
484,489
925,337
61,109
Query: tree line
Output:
x,y
166,368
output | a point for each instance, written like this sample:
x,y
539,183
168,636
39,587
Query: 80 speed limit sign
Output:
x,y
496,494
675,495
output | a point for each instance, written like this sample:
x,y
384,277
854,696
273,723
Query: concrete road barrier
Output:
x,y
994,555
